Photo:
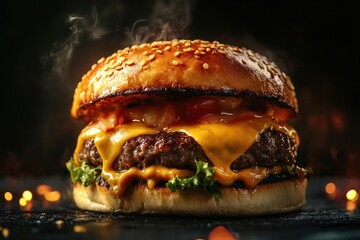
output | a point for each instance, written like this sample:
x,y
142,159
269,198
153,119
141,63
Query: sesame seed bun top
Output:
x,y
181,68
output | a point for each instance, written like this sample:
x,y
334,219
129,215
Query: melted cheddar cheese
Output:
x,y
222,143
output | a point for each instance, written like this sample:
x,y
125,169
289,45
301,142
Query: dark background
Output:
x,y
44,54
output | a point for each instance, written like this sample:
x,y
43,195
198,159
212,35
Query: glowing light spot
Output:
x,y
59,223
330,188
352,195
43,188
351,206
5,232
222,233
52,196
79,229
27,195
22,202
8,196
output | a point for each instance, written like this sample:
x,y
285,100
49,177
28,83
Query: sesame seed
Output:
x,y
271,70
129,62
177,54
101,60
206,66
118,68
201,48
118,63
151,57
187,44
277,70
159,51
221,51
197,56
260,65
202,52
176,62
145,53
243,61
250,53
105,67
289,83
143,62
167,48
110,73
112,61
175,44
208,49
189,49
252,58
93,66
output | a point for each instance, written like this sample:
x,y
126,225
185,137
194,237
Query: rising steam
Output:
x,y
167,21
83,28
93,34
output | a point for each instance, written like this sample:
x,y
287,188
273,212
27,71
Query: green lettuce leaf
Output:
x,y
203,178
86,173
292,171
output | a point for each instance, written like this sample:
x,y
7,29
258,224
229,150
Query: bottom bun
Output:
x,y
272,198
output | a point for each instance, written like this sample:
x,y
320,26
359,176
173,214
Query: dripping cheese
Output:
x,y
221,142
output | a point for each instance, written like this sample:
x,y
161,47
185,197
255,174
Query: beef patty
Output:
x,y
178,150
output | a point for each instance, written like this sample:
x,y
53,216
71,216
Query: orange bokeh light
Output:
x,y
8,196
330,188
43,188
352,195
52,196
222,233
27,195
22,202
351,206
79,229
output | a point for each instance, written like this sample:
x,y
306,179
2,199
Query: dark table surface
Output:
x,y
323,217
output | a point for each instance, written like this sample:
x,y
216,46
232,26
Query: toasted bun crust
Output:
x,y
273,198
176,68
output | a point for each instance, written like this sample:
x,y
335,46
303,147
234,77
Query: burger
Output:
x,y
186,127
